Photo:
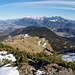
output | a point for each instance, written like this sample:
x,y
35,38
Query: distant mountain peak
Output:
x,y
50,22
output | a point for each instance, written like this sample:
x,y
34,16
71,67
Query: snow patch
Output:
x,y
5,70
44,43
38,72
53,20
3,52
39,43
4,55
69,57
23,36
8,71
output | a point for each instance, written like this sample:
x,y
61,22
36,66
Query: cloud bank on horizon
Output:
x,y
37,8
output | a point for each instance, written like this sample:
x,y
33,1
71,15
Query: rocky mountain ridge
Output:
x,y
51,22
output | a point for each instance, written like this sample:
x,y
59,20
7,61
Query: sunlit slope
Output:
x,y
30,44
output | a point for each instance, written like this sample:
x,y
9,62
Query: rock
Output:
x,y
25,69
55,69
50,69
70,70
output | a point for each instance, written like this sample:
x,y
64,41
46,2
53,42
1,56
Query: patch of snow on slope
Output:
x,y
4,55
53,20
70,57
3,52
38,72
5,70
8,71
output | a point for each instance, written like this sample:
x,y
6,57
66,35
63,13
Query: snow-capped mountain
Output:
x,y
56,23
50,22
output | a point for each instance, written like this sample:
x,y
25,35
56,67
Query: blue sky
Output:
x,y
11,9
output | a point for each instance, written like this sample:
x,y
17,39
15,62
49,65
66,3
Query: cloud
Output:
x,y
64,8
58,4
53,2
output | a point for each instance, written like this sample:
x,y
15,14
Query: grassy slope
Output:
x,y
58,44
29,44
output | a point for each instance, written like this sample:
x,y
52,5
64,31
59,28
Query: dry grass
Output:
x,y
29,44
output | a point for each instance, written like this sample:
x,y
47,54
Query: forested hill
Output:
x,y
58,44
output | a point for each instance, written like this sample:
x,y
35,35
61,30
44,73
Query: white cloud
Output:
x,y
43,2
65,8
53,2
60,4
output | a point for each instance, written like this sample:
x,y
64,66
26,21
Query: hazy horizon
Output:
x,y
35,17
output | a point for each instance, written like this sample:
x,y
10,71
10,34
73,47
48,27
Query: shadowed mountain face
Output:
x,y
34,31
67,30
58,44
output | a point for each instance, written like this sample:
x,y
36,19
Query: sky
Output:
x,y
13,9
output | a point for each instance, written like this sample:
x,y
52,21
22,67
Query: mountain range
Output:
x,y
51,22
55,23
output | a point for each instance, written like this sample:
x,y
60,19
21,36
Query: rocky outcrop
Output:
x,y
50,69
25,69
54,69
